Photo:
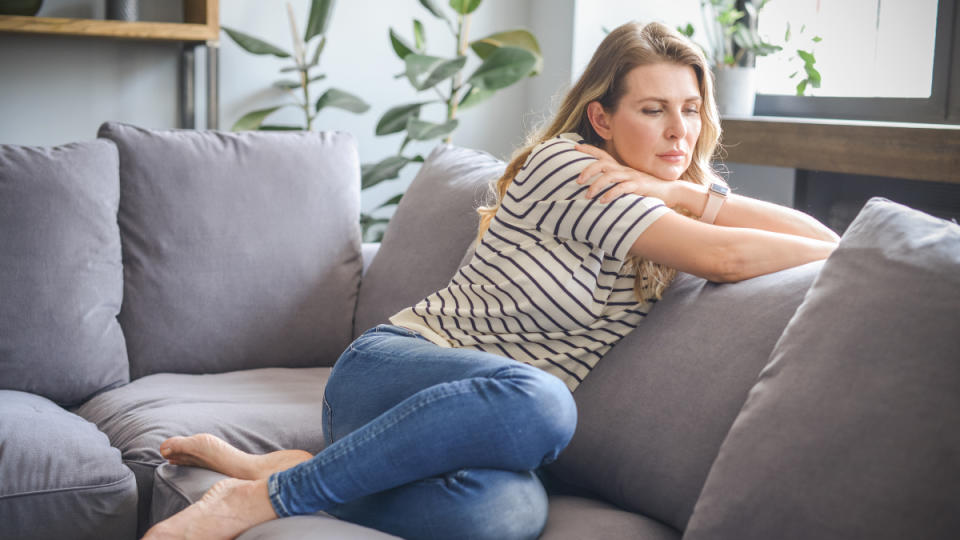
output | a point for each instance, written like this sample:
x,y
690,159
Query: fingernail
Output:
x,y
164,451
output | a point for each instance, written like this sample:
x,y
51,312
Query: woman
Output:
x,y
436,423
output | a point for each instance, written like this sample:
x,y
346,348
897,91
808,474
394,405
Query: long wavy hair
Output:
x,y
605,81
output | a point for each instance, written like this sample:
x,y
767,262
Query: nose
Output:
x,y
676,128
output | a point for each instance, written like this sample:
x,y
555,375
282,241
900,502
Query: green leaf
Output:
x,y
391,201
254,45
786,36
419,130
252,120
278,127
464,7
334,97
288,69
286,84
474,96
806,56
400,45
425,72
319,77
316,53
373,173
813,76
395,119
817,39
502,68
433,8
801,87
686,30
521,39
319,18
418,36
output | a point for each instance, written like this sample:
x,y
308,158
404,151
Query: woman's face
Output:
x,y
657,122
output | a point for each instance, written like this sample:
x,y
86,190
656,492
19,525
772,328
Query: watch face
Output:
x,y
719,189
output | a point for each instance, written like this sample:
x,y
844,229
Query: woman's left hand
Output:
x,y
606,170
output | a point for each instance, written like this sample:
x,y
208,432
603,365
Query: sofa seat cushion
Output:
x,y
576,518
654,412
258,411
177,487
851,431
61,281
433,225
240,250
60,476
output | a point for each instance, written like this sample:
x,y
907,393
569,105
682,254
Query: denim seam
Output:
x,y
273,488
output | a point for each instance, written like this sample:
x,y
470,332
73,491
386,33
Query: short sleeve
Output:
x,y
546,197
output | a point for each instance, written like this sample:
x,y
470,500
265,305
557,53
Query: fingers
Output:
x,y
602,181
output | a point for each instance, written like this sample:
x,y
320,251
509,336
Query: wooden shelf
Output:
x,y
202,24
929,152
110,29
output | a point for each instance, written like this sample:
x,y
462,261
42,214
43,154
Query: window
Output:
x,y
879,59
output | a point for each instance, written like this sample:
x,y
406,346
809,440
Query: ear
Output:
x,y
599,120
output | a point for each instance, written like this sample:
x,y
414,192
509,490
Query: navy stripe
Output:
x,y
625,210
519,230
600,216
503,309
588,311
534,171
517,304
552,363
537,153
634,224
548,176
532,303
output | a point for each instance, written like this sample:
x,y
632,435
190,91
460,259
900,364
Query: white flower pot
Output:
x,y
736,90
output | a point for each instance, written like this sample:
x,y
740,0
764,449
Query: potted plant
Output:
x,y
733,44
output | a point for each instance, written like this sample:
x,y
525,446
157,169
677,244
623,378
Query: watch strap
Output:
x,y
716,195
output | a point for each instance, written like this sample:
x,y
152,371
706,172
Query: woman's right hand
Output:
x,y
607,170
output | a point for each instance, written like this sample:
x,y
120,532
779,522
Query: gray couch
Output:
x,y
158,283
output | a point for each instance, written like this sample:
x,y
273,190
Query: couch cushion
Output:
x,y
60,477
177,487
240,250
577,518
258,411
851,430
61,282
654,412
433,225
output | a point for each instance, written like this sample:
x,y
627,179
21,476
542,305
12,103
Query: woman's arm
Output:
x,y
737,211
724,254
740,211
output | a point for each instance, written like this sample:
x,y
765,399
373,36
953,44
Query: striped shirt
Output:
x,y
547,284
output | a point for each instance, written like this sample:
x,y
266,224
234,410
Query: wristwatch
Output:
x,y
717,193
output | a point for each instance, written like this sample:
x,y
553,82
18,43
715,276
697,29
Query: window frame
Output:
x,y
943,105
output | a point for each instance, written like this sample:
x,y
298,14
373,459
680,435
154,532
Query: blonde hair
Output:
x,y
605,81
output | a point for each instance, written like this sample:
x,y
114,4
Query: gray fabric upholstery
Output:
x,y
576,518
240,250
258,411
655,410
434,223
59,477
851,430
178,487
61,282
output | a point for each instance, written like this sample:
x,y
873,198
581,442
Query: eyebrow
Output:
x,y
665,100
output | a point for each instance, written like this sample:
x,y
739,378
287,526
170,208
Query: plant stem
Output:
x,y
463,32
300,58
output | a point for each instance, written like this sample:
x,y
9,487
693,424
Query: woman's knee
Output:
x,y
549,406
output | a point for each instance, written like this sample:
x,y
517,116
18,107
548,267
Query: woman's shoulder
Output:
x,y
553,153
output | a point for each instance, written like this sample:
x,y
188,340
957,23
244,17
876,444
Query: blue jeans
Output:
x,y
430,442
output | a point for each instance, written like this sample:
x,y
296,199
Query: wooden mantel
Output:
x,y
929,152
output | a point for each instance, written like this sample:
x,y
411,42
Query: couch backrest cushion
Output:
x,y
240,250
61,281
431,229
852,431
655,410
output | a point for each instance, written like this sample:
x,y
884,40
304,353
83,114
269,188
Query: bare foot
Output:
x,y
211,452
229,508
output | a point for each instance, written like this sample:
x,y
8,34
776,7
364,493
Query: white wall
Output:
x,y
55,90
